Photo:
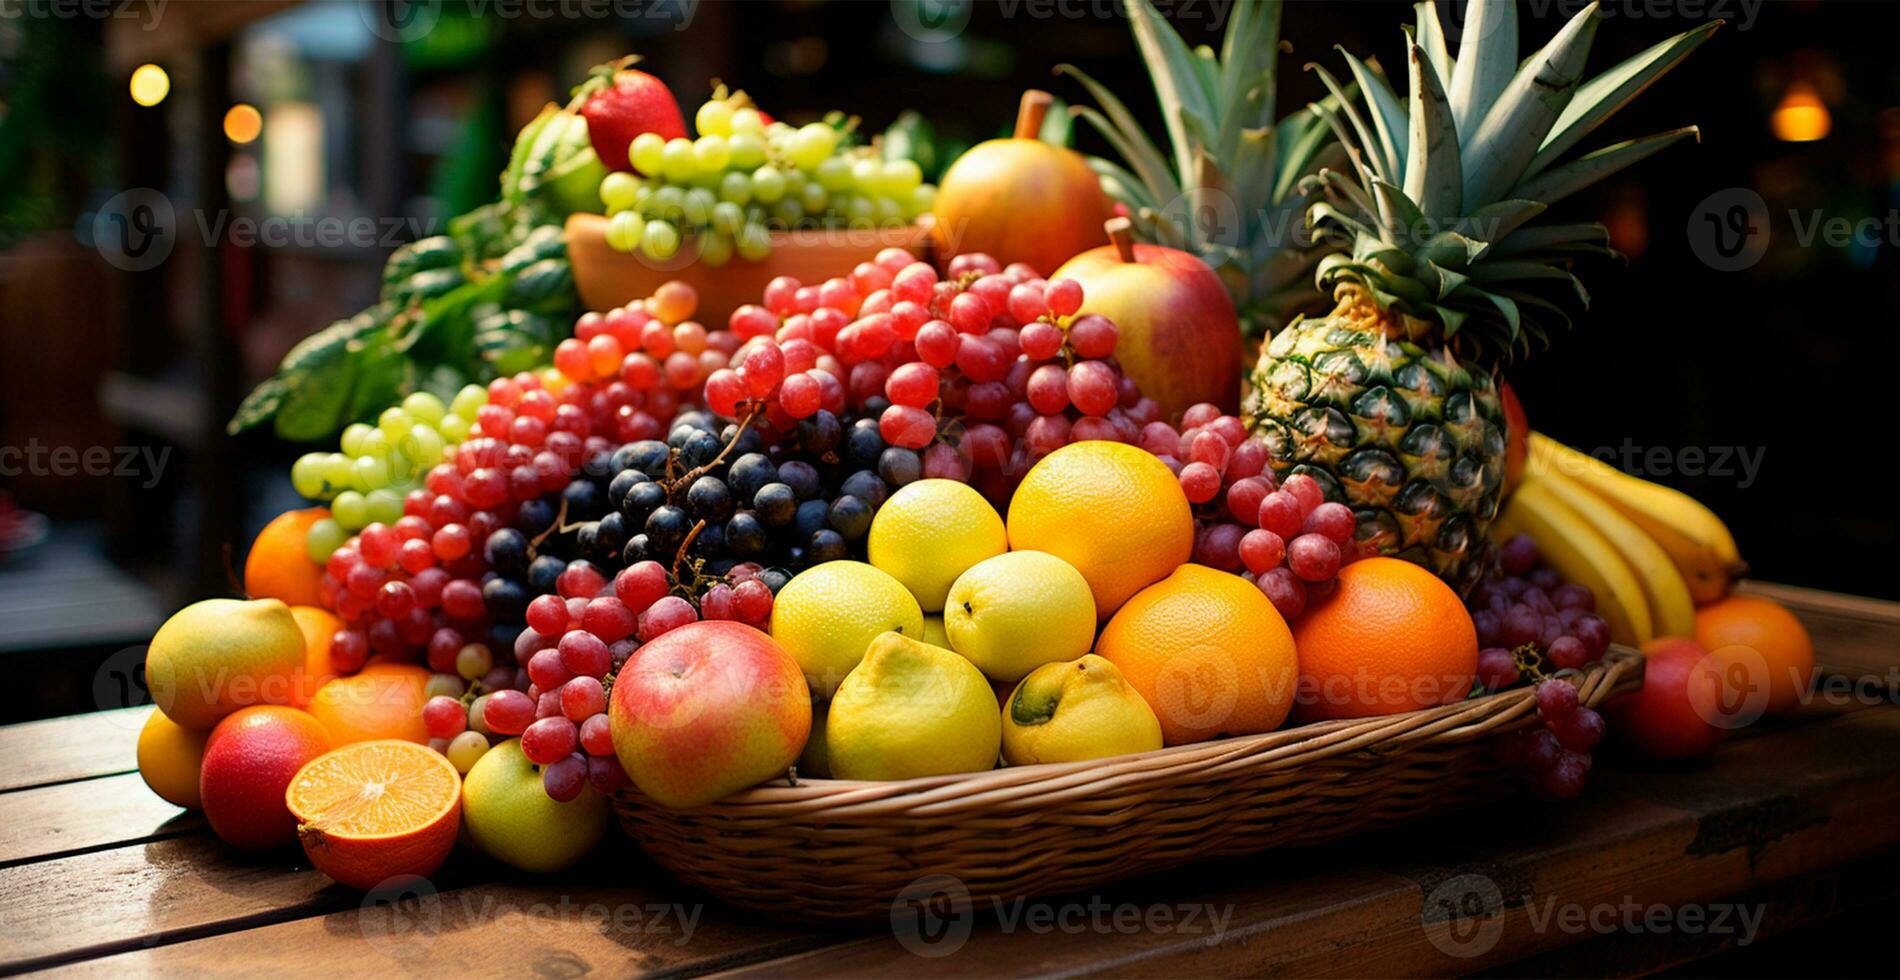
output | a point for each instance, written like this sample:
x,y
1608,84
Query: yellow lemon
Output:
x,y
827,615
1079,710
929,532
1113,511
935,634
1015,612
169,758
909,710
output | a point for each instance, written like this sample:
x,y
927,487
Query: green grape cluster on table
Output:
x,y
377,465
745,176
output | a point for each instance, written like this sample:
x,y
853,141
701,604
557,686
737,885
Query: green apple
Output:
x,y
508,816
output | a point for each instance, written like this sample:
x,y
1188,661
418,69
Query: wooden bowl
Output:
x,y
607,279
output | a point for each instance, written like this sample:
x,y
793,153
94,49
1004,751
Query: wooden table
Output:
x,y
1790,824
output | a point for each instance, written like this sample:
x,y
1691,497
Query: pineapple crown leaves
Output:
x,y
1227,186
1444,186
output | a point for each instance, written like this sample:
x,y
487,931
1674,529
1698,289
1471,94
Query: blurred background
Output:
x,y
254,119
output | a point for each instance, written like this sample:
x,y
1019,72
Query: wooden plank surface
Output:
x,y
79,831
50,821
60,750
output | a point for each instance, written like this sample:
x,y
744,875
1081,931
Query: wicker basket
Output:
x,y
840,850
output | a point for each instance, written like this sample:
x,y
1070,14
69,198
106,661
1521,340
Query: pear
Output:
x,y
912,709
1083,709
216,656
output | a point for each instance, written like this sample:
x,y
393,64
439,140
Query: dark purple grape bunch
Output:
x,y
1556,757
1530,622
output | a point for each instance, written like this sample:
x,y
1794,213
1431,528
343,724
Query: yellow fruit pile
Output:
x,y
1651,554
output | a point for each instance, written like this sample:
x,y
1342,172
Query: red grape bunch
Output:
x,y
1533,624
980,373
647,358
1285,537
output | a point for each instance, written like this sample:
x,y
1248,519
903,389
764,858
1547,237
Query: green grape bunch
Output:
x,y
746,176
377,465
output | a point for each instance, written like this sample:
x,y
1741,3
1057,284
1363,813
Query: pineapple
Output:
x,y
1229,190
1390,401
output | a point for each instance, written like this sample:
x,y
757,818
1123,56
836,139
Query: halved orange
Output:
x,y
372,811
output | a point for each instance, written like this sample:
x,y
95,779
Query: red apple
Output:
x,y
706,710
1517,436
1020,199
1674,715
1180,340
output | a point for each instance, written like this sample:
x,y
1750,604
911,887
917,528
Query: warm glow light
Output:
x,y
1801,117
150,85
242,123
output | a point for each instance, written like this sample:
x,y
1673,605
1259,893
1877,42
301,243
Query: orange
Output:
x,y
1113,511
249,761
1765,637
1391,638
279,565
169,757
378,810
382,701
318,626
1208,652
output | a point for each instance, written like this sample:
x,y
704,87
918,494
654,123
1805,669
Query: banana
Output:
x,y
1671,610
1696,540
1580,553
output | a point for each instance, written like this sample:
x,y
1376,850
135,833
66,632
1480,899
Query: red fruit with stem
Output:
x,y
620,104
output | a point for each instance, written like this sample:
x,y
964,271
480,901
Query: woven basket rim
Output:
x,y
1456,722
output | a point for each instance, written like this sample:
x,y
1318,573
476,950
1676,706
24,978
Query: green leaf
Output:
x,y
1487,55
1495,221
1371,149
315,395
1515,126
1431,37
1432,168
1248,50
1119,184
1176,78
1388,114
1601,97
258,406
1537,238
1126,135
1402,218
1555,185
1506,271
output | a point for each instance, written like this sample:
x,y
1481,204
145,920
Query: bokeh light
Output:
x,y
150,85
243,123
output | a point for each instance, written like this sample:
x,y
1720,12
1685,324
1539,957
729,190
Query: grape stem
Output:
x,y
673,492
691,588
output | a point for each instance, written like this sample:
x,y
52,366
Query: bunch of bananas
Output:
x,y
1651,554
